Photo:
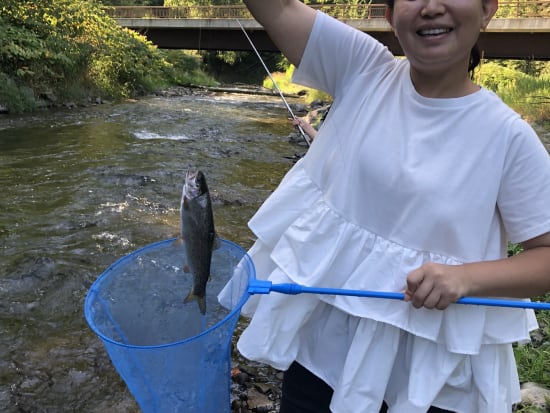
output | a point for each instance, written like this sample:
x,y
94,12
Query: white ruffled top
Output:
x,y
312,244
377,195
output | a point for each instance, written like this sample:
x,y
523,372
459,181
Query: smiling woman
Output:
x,y
424,28
415,183
475,54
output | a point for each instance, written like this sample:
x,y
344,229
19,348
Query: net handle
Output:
x,y
265,287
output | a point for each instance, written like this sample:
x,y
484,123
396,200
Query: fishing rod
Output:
x,y
308,141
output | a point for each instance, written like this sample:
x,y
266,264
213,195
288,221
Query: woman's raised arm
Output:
x,y
288,23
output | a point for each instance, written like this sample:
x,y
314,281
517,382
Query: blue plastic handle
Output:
x,y
265,287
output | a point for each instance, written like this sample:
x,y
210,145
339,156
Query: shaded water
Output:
x,y
83,188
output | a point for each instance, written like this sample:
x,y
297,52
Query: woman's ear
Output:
x,y
389,15
489,9
389,18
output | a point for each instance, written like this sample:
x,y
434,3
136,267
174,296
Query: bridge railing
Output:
x,y
523,9
178,12
507,9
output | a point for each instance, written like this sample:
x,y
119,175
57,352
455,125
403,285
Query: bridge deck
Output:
x,y
521,29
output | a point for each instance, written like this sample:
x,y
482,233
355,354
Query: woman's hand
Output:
x,y
306,127
524,275
436,285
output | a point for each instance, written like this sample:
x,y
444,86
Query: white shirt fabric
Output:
x,y
394,180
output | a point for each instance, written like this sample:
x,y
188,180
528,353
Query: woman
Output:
x,y
415,183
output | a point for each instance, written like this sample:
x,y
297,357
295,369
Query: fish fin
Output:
x,y
202,304
217,243
200,300
186,268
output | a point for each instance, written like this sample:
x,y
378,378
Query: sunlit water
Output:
x,y
82,188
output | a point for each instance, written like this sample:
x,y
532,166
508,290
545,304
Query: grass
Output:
x,y
284,83
533,359
526,94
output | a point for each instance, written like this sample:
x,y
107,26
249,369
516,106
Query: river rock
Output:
x,y
533,394
259,402
49,96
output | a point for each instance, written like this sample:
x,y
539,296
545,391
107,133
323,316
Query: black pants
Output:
x,y
304,392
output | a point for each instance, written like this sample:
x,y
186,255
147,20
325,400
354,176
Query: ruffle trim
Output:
x,y
365,361
301,235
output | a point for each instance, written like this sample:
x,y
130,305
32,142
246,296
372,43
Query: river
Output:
x,y
84,187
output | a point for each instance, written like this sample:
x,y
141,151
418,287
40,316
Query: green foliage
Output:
x,y
133,2
527,94
58,47
15,97
532,363
239,67
125,63
514,249
494,76
201,2
185,68
533,358
284,83
521,8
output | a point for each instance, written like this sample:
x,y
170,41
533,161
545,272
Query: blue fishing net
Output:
x,y
172,358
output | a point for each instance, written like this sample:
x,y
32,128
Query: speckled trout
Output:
x,y
197,233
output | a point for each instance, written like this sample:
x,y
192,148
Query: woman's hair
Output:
x,y
475,53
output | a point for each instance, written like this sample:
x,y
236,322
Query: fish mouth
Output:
x,y
433,31
191,187
191,175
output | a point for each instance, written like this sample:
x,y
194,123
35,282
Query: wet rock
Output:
x,y
299,109
259,402
255,388
239,377
49,96
175,91
264,387
296,157
4,397
226,198
533,394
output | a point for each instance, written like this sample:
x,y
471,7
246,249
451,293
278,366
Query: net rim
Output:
x,y
103,276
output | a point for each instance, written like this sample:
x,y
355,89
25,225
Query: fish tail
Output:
x,y
200,300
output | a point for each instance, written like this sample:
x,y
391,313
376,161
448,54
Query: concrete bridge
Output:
x,y
521,29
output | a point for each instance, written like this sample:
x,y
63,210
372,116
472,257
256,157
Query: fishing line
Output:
x,y
274,84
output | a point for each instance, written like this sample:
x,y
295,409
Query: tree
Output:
x,y
56,45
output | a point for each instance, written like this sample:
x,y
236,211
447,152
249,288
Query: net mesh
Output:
x,y
172,358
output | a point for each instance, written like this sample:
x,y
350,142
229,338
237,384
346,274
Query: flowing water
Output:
x,y
81,189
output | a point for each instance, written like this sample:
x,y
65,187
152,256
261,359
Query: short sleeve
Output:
x,y
524,195
336,52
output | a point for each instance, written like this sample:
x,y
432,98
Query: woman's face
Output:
x,y
439,34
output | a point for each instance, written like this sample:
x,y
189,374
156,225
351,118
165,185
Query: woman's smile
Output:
x,y
437,36
433,32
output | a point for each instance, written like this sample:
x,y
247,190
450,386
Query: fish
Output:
x,y
197,234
